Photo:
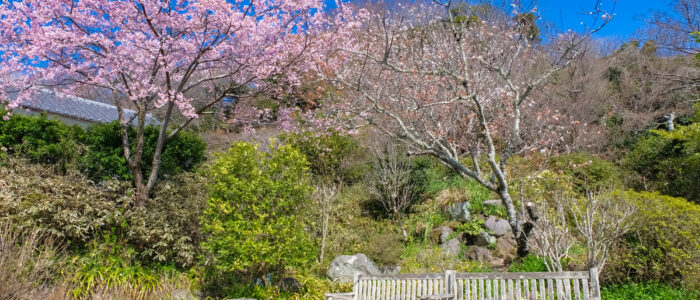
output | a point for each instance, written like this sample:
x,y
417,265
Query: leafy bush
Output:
x,y
105,156
110,269
326,152
472,227
167,229
384,248
546,185
646,291
68,207
313,287
529,263
77,211
669,162
252,218
665,245
41,140
588,171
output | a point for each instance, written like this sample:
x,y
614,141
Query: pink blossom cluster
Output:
x,y
155,53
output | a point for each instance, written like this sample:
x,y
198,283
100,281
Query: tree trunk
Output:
x,y
520,235
403,228
142,192
595,282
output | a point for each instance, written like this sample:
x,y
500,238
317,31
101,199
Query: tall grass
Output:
x,y
26,261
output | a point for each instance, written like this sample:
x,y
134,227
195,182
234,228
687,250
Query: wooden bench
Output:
x,y
471,286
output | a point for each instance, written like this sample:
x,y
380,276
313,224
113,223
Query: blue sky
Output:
x,y
568,14
630,14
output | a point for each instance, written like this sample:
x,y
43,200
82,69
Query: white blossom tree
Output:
x,y
455,86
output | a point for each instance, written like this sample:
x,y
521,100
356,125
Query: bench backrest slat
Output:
x,y
475,286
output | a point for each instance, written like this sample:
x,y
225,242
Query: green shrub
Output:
x,y
167,229
69,207
42,140
105,156
327,153
384,248
109,266
588,171
646,291
529,263
669,162
313,287
664,246
472,227
77,211
252,217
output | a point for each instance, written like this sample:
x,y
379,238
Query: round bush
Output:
x,y
105,156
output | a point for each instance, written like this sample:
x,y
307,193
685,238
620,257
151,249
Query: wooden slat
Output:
x,y
543,290
511,289
473,286
414,284
365,289
495,289
529,275
503,289
577,290
560,289
488,288
468,292
526,288
481,289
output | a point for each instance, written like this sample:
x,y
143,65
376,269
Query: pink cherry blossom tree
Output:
x,y
457,87
153,54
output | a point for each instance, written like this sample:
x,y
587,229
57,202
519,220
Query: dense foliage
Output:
x,y
646,291
327,153
665,245
105,156
252,219
669,162
77,212
42,140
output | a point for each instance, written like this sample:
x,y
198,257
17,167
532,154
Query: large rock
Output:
x,y
459,211
440,235
484,239
451,247
499,227
479,254
506,247
344,267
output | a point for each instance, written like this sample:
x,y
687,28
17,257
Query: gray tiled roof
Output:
x,y
78,108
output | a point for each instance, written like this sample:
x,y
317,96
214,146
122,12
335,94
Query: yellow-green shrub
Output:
x,y
665,245
253,218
